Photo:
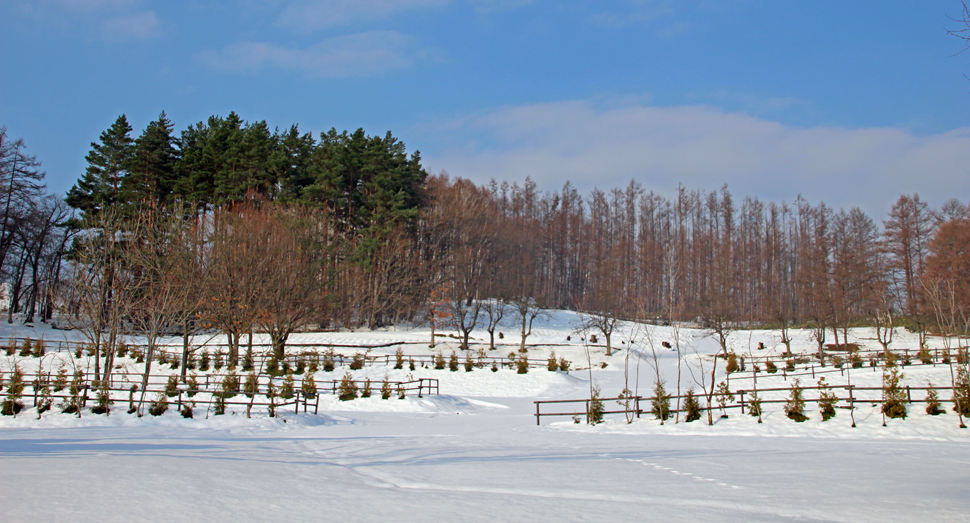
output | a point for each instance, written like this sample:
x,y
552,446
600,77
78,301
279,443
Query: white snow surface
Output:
x,y
474,452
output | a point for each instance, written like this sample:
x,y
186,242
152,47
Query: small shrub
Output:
x,y
385,388
723,396
230,384
469,363
827,400
933,405
790,364
838,362
186,411
192,385
552,364
301,364
251,385
893,396
348,389
103,405
205,361
122,350
399,358
564,364
73,402
288,388
218,360
309,386
328,361
754,405
494,366
856,361
11,348
595,414
358,361
60,381
660,403
12,405
439,361
732,362
946,357
312,366
522,365
453,362
400,392
172,386
272,366
219,406
795,406
45,401
692,406
40,350
138,355
411,363
26,348
159,405
770,367
271,395
961,392
924,355
366,391
248,363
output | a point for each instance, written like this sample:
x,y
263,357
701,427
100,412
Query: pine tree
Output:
x,y
309,386
692,406
286,391
108,164
724,397
453,362
933,405
827,400
151,165
15,390
893,396
347,389
366,391
385,388
660,403
595,413
961,392
552,365
795,406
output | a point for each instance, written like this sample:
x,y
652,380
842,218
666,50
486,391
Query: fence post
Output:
x,y
851,406
741,395
537,413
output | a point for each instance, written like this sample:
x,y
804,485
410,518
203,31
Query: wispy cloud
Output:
x,y
705,147
142,25
358,54
308,16
108,20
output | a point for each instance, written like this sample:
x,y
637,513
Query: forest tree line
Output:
x,y
230,226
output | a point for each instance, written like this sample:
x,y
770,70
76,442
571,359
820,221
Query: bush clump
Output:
x,y
348,389
399,359
12,405
893,395
552,364
439,361
287,391
660,403
961,392
732,363
770,367
453,362
522,365
172,386
795,406
933,405
691,406
309,386
595,413
358,362
159,405
827,400
386,388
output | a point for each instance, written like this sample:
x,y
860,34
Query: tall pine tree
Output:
x,y
108,163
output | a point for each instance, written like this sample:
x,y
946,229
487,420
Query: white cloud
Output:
x,y
704,147
108,20
136,26
358,54
313,15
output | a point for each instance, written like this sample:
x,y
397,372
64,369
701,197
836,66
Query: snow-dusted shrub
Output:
x,y
827,400
795,406
218,360
893,396
522,365
399,358
272,366
204,361
328,361
230,384
770,367
691,406
347,389
45,399
26,348
439,361
453,362
660,403
301,364
552,364
856,360
366,391
732,363
73,402
312,367
159,405
595,413
271,395
186,411
790,364
411,363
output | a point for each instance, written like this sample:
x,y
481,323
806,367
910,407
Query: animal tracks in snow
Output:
x,y
657,466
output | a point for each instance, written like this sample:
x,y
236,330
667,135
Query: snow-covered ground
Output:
x,y
474,452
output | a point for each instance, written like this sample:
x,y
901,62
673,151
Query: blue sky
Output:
x,y
852,103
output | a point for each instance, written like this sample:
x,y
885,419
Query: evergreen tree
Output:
x,y
152,165
108,163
